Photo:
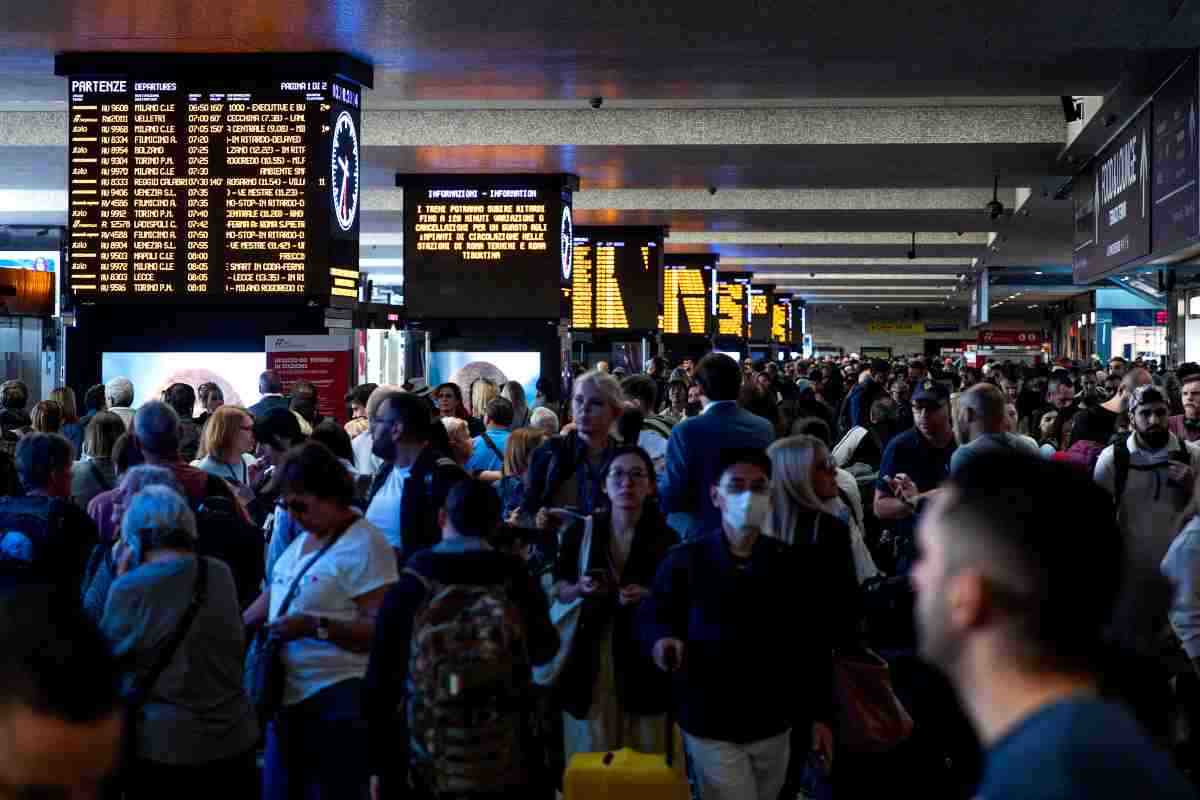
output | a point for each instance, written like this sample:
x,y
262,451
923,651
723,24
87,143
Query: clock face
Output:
x,y
566,243
345,171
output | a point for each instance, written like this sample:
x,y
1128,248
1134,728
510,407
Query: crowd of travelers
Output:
x,y
832,577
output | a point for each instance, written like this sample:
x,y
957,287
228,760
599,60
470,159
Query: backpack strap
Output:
x,y
658,425
845,498
487,440
1121,464
142,686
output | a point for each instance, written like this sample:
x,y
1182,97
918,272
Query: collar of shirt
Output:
x,y
461,544
718,404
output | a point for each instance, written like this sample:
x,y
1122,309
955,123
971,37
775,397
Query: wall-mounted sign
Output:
x,y
897,328
1122,202
1011,338
1175,222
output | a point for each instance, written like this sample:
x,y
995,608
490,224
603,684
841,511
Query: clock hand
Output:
x,y
345,164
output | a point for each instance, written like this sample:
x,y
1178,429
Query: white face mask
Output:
x,y
746,510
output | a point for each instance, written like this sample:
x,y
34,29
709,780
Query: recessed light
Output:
x,y
1037,273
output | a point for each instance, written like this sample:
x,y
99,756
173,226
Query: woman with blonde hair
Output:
x,y
96,471
47,417
514,393
227,445
460,439
71,427
483,392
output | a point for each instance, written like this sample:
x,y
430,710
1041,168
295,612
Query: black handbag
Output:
x,y
265,676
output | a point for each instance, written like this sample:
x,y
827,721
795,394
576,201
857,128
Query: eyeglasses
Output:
x,y
619,476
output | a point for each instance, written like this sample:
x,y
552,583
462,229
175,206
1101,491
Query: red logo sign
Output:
x,y
1011,338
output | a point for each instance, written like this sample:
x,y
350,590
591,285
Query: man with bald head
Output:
x,y
982,426
1112,416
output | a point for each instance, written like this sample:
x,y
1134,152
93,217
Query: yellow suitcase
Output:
x,y
626,775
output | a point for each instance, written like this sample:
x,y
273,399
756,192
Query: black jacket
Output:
x,y
387,672
830,560
642,688
552,465
425,491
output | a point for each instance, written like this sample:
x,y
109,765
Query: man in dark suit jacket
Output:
x,y
271,389
694,449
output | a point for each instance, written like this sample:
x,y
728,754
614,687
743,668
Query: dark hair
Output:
x,y
182,398
629,425
732,456
1002,511
54,659
361,394
333,436
500,412
719,376
156,426
41,455
126,454
209,390
461,411
643,389
629,450
14,395
761,404
312,468
473,508
93,398
412,412
47,417
270,383
815,427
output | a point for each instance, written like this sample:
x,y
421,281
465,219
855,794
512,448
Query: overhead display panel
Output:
x,y
731,304
616,278
486,246
1122,204
688,282
1175,221
761,299
781,320
212,179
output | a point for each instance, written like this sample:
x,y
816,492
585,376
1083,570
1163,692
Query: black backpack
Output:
x,y
29,527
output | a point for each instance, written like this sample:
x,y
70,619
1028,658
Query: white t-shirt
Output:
x,y
365,460
384,511
359,562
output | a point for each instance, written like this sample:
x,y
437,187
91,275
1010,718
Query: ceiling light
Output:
x,y
849,276
829,261
1038,272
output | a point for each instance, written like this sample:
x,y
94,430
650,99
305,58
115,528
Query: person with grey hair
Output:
x,y
102,566
365,461
44,537
982,425
118,393
156,431
195,732
545,419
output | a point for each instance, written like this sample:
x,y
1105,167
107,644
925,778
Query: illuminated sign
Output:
x,y
486,246
761,299
781,320
616,278
212,186
732,304
687,286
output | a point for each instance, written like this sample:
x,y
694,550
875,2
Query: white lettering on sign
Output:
x,y
98,86
1120,172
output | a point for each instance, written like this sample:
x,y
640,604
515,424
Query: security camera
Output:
x,y
712,190
994,209
596,102
912,255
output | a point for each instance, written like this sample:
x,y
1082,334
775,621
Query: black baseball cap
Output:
x,y
1188,372
930,391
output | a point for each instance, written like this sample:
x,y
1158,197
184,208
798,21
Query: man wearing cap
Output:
x,y
914,465
1186,426
1150,475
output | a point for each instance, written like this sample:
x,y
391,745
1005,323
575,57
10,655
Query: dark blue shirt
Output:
x,y
1079,748
911,453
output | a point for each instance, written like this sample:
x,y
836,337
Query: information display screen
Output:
x,y
486,246
213,187
761,299
1176,218
781,320
687,289
731,304
1122,205
616,282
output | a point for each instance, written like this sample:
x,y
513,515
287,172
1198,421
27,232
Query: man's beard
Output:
x,y
1155,438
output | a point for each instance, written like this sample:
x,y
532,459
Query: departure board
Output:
x,y
761,298
731,304
687,288
218,185
781,320
616,278
486,246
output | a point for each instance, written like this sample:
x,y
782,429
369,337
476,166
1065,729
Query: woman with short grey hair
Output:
x,y
195,728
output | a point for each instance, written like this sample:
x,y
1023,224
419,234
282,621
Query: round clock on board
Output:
x,y
566,243
345,166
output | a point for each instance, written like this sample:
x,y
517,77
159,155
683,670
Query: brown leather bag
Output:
x,y
870,718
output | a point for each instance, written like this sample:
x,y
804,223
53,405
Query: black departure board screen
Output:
x,y
213,186
761,298
486,246
1175,222
616,278
731,304
1122,204
781,320
688,284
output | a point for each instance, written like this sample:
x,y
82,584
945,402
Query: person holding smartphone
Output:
x,y
610,691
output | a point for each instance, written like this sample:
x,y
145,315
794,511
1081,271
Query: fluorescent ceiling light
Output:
x,y
380,263
825,237
849,276
801,261
381,239
843,287
31,201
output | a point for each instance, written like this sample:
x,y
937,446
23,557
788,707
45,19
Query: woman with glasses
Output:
x,y
227,449
342,567
611,692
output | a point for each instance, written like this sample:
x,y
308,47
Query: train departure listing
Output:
x,y
193,192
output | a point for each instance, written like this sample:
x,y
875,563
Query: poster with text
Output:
x,y
323,361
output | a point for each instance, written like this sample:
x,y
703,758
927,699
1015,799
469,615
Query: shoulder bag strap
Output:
x,y
143,685
291,594
492,446
1121,464
585,546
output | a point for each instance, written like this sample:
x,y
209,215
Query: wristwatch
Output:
x,y
323,628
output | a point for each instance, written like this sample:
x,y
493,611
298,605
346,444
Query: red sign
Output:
x,y
1161,318
1011,338
323,361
